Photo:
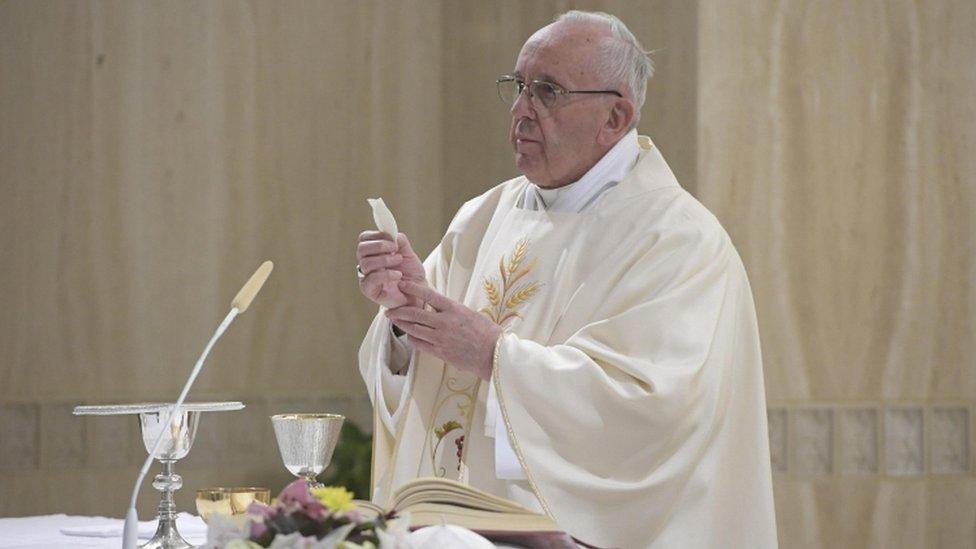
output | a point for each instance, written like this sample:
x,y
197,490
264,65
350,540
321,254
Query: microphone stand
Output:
x,y
130,534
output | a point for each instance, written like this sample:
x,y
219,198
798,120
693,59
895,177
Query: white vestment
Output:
x,y
577,197
629,377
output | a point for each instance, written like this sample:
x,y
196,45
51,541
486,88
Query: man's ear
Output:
x,y
618,122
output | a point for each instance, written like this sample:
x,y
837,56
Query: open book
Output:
x,y
440,501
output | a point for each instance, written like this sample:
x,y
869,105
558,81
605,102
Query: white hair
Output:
x,y
623,60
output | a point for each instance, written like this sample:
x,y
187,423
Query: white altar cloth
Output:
x,y
45,531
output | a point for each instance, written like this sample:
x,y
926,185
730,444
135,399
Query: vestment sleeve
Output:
x,y
380,354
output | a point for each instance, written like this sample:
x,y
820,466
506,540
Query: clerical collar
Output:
x,y
583,194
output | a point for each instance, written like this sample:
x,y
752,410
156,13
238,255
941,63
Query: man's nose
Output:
x,y
522,107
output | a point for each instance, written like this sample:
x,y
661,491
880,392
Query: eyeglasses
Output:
x,y
542,93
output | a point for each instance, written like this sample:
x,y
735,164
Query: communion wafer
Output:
x,y
383,217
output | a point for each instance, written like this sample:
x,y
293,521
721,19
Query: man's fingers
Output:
x,y
428,296
373,283
415,315
379,262
403,243
425,333
374,247
374,235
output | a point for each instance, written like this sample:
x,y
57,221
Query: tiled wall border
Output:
x,y
808,440
46,436
892,439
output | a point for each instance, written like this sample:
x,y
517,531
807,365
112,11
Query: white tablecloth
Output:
x,y
45,531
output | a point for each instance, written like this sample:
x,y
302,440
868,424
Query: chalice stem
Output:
x,y
167,482
310,477
167,536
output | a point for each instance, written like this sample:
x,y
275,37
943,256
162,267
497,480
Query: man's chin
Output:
x,y
540,178
528,167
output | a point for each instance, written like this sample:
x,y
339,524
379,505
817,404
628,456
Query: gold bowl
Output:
x,y
229,501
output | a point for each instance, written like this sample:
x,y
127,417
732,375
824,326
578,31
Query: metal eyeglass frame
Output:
x,y
557,89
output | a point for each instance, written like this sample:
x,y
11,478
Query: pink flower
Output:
x,y
258,529
260,511
316,512
297,497
296,493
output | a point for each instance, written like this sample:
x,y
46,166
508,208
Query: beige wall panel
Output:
x,y
867,513
834,141
282,124
166,149
44,154
836,145
153,154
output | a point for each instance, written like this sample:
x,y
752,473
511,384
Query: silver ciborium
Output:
x,y
306,442
177,440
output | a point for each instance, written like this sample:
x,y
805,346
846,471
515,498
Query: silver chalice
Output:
x,y
306,442
177,441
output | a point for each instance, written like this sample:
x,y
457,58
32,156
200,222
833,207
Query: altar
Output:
x,y
64,531
57,531
306,443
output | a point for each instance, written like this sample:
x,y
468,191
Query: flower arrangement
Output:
x,y
317,518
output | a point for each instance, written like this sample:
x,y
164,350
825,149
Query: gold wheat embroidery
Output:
x,y
505,297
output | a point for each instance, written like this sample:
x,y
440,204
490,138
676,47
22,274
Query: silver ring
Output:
x,y
359,273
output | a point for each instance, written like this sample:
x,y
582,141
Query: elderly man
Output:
x,y
583,340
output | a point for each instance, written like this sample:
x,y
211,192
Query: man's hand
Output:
x,y
451,332
384,264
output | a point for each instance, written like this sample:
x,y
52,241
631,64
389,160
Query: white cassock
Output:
x,y
629,379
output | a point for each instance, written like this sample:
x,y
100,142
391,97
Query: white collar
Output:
x,y
582,194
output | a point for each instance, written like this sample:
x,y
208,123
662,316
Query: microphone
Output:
x,y
251,288
241,302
